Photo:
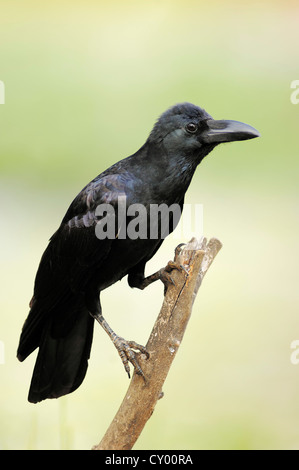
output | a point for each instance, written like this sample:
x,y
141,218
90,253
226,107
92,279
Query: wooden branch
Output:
x,y
165,339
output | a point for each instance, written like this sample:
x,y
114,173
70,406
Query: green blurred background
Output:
x,y
84,83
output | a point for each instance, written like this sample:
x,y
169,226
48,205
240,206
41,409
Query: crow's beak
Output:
x,y
227,131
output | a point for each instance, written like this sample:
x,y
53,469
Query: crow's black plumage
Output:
x,y
77,265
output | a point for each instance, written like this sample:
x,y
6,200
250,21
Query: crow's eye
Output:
x,y
191,127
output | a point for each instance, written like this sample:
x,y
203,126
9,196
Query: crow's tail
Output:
x,y
63,353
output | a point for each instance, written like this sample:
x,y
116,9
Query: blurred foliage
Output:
x,y
84,83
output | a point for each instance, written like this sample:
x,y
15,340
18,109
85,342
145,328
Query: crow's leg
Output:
x,y
163,275
124,348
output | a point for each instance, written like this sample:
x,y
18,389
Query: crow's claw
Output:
x,y
166,277
125,350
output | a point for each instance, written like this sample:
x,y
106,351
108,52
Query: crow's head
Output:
x,y
188,129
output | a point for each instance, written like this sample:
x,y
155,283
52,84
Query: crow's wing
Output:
x,y
75,250
69,262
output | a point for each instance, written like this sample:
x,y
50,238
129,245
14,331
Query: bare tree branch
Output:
x,y
165,339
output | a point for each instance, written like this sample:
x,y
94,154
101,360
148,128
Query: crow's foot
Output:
x,y
165,274
125,350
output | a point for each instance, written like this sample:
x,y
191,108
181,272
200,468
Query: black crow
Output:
x,y
81,261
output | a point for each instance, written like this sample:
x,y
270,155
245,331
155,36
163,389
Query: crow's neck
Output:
x,y
169,176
